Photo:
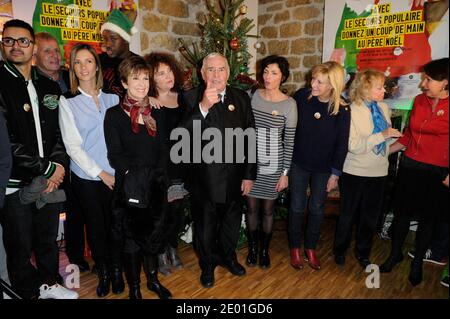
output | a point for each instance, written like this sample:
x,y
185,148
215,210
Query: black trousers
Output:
x,y
27,229
217,232
74,224
361,203
420,195
94,198
175,222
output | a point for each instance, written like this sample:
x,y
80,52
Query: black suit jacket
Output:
x,y
220,182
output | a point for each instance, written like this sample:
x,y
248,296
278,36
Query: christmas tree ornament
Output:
x,y
243,9
234,44
243,69
257,45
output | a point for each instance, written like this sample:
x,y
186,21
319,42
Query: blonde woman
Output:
x,y
320,148
366,166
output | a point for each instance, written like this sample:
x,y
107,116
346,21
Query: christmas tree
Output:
x,y
224,30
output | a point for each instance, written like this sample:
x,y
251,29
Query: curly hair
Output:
x,y
154,61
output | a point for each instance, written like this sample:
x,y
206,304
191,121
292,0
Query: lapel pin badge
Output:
x,y
440,113
274,113
26,107
317,115
231,107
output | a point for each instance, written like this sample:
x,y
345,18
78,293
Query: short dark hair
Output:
x,y
154,60
16,23
282,63
133,64
437,70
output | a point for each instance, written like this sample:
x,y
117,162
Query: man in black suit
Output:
x,y
218,182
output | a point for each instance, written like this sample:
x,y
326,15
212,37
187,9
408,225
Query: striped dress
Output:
x,y
275,131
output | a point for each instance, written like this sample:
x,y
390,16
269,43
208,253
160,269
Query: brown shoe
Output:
x,y
312,259
296,258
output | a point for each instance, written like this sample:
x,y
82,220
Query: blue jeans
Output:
x,y
299,180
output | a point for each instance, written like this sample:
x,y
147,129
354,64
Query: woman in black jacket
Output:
x,y
140,199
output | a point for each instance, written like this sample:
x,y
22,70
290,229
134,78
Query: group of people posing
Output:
x,y
101,132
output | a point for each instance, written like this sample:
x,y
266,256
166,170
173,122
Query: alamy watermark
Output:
x,y
234,145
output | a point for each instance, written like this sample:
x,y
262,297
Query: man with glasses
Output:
x,y
218,186
30,103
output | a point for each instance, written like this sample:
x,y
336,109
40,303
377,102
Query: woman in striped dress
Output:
x,y
275,120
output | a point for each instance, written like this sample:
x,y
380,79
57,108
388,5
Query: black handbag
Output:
x,y
136,187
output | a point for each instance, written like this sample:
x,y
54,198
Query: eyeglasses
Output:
x,y
22,42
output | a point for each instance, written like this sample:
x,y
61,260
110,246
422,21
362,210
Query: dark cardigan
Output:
x,y
321,139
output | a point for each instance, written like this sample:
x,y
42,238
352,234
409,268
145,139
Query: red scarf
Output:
x,y
135,108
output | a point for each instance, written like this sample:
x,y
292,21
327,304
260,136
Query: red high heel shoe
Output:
x,y
296,258
312,259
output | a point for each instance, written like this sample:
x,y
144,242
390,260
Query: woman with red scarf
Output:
x,y
422,185
140,199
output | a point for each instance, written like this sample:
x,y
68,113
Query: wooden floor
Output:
x,y
281,281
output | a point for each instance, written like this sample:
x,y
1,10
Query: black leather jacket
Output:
x,y
16,103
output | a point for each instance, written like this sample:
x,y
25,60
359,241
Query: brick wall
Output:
x,y
293,29
164,21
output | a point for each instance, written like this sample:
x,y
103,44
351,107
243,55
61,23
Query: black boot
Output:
x,y
104,280
264,258
252,240
390,263
153,284
416,272
117,283
132,263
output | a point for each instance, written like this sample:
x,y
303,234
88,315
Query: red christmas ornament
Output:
x,y
234,44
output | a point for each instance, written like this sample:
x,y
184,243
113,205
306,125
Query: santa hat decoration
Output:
x,y
119,23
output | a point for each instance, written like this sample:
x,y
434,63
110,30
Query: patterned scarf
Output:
x,y
379,125
136,108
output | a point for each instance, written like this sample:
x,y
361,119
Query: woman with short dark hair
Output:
x,y
140,200
422,185
275,120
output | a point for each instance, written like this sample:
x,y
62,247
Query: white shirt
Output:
x,y
222,97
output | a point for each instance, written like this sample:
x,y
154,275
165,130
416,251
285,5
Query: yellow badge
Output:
x,y
440,112
317,115
26,107
231,107
274,113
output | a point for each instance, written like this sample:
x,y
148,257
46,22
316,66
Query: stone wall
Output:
x,y
164,21
293,29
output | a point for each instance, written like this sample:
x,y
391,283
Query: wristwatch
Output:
x,y
285,172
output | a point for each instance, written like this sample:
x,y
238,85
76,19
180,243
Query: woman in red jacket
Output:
x,y
422,186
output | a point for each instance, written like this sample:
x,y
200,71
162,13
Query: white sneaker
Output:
x,y
56,292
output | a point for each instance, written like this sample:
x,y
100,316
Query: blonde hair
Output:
x,y
74,83
336,76
363,82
